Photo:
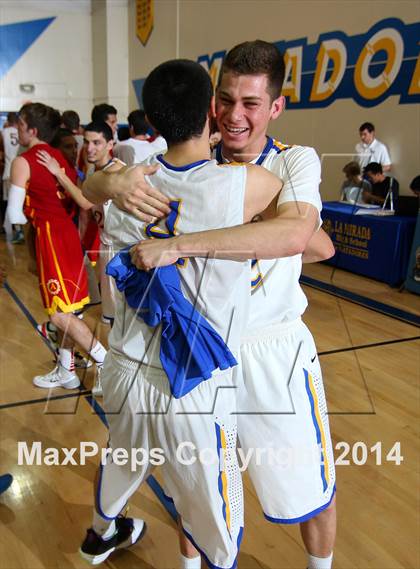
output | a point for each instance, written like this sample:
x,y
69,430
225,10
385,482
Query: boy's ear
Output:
x,y
212,109
277,107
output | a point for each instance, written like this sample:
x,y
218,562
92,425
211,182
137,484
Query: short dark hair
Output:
x,y
177,96
366,126
137,121
123,133
42,117
352,169
373,168
257,57
59,135
415,184
101,128
12,118
100,112
70,120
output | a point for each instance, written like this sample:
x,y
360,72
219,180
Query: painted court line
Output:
x,y
376,306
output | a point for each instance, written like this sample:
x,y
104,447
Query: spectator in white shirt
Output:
x,y
137,148
159,144
370,149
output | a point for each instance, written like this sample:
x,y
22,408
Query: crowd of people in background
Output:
x,y
45,157
101,144
97,146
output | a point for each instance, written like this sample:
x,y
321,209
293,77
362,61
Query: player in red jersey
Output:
x,y
62,277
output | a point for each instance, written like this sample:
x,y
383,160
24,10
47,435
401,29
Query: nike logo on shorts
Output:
x,y
313,359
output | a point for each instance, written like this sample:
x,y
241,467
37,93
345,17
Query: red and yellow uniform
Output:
x,y
61,273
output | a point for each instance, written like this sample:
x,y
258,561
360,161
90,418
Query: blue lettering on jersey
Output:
x,y
155,231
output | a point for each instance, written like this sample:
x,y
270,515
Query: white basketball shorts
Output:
x,y
283,423
196,437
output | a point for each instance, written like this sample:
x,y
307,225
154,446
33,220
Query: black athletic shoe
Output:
x,y
96,550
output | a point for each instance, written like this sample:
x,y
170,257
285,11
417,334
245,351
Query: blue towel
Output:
x,y
190,348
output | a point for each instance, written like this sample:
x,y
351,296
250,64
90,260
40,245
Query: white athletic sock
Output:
x,y
98,353
190,562
319,562
66,358
106,529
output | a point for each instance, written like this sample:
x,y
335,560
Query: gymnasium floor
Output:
x,y
373,396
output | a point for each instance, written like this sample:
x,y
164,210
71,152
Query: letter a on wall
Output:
x,y
145,16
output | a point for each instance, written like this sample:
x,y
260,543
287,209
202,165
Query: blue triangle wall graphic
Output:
x,y
15,39
138,88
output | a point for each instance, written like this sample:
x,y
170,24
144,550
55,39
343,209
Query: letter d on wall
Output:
x,y
334,51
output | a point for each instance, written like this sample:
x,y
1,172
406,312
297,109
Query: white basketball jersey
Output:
x,y
276,292
100,211
11,147
134,151
203,196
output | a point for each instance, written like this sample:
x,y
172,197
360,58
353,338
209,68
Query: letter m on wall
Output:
x,y
212,64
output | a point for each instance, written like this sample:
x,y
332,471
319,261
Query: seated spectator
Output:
x,y
370,149
354,185
385,189
137,148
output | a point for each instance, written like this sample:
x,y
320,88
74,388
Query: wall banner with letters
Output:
x,y
368,68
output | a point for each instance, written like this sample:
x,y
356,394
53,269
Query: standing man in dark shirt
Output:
x,y
381,186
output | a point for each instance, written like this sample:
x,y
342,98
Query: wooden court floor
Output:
x,y
373,396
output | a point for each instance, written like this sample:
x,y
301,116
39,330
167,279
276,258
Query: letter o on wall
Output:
x,y
390,41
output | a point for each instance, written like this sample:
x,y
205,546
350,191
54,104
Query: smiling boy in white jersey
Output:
x,y
278,348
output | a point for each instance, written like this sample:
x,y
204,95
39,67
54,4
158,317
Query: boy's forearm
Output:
x,y
271,239
73,190
319,248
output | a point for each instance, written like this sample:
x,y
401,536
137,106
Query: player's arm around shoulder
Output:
x,y
128,188
62,172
